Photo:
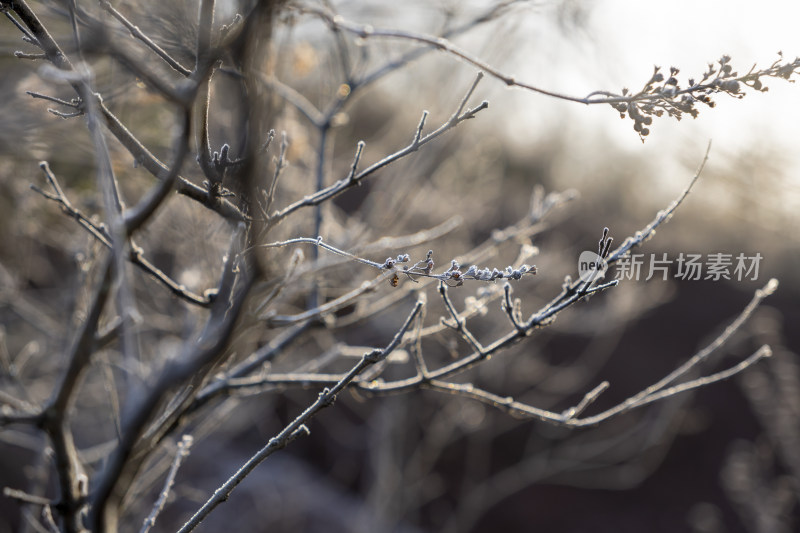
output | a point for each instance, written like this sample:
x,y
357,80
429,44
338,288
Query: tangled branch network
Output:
x,y
140,396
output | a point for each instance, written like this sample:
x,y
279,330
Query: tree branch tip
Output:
x,y
602,387
24,497
589,398
301,431
770,287
483,105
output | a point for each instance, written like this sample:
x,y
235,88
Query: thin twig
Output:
x,y
417,270
180,455
298,425
27,34
280,164
327,308
577,286
340,186
661,217
460,323
73,104
24,497
138,34
440,43
135,255
25,55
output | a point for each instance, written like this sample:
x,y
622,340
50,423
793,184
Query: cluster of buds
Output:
x,y
662,94
656,97
510,272
429,262
454,273
392,261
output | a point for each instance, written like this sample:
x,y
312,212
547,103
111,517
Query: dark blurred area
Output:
x,y
724,458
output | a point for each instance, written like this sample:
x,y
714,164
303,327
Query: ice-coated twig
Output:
x,y
138,34
100,233
421,269
298,425
181,453
340,186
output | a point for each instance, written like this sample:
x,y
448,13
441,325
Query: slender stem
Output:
x,y
298,426
138,34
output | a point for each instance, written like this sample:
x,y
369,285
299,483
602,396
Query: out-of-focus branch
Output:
x,y
199,356
123,135
72,480
136,254
138,34
180,455
352,180
139,214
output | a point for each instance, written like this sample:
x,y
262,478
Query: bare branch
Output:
x,y
24,497
298,425
661,217
280,164
138,34
340,186
136,254
180,455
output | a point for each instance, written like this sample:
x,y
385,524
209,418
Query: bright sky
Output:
x,y
689,34
618,45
